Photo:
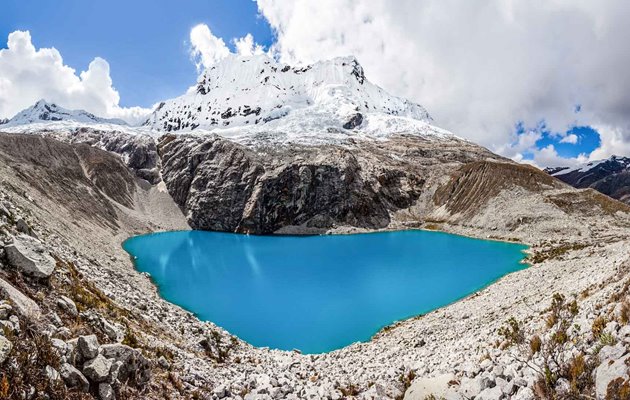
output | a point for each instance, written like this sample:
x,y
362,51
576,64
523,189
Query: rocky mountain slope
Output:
x,y
610,176
81,202
338,155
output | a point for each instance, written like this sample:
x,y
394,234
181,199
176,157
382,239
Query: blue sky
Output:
x,y
144,41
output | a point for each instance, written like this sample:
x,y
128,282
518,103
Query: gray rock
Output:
x,y
133,364
73,378
471,387
624,331
563,386
4,211
494,393
5,349
163,362
21,304
22,226
106,392
29,256
67,305
607,372
111,331
51,373
5,310
611,352
88,346
97,369
524,393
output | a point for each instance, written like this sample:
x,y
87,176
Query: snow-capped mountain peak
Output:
x,y
258,93
43,111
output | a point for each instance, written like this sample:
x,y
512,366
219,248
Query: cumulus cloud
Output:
x,y
28,74
245,46
479,66
570,139
207,49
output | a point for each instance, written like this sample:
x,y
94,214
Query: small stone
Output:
x,y
163,362
494,393
524,393
88,346
51,373
22,226
97,369
106,392
5,310
111,331
5,349
67,305
73,378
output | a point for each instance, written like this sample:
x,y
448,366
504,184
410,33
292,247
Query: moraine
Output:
x,y
317,293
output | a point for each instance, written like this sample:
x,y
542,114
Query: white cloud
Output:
x,y
245,46
570,139
28,74
479,66
206,49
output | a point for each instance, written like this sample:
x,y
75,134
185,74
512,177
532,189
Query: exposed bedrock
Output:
x,y
222,185
406,180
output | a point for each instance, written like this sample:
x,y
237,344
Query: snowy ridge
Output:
x,y
44,112
624,162
245,95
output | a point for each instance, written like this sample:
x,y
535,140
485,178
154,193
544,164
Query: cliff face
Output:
x,y
222,185
405,181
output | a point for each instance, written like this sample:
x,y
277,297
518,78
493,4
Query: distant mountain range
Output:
x,y
610,176
42,111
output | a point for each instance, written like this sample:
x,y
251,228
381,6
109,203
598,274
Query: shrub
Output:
x,y
618,389
535,344
599,324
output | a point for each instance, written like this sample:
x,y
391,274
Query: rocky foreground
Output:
x,y
80,322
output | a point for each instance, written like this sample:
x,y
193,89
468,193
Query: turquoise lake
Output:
x,y
317,293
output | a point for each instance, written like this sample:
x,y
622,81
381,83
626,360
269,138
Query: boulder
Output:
x,y
73,378
422,388
21,304
5,349
472,387
494,393
29,256
88,346
133,365
97,369
67,305
106,392
609,371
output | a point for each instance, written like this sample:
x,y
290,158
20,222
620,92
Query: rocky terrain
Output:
x,y
80,202
261,147
610,176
